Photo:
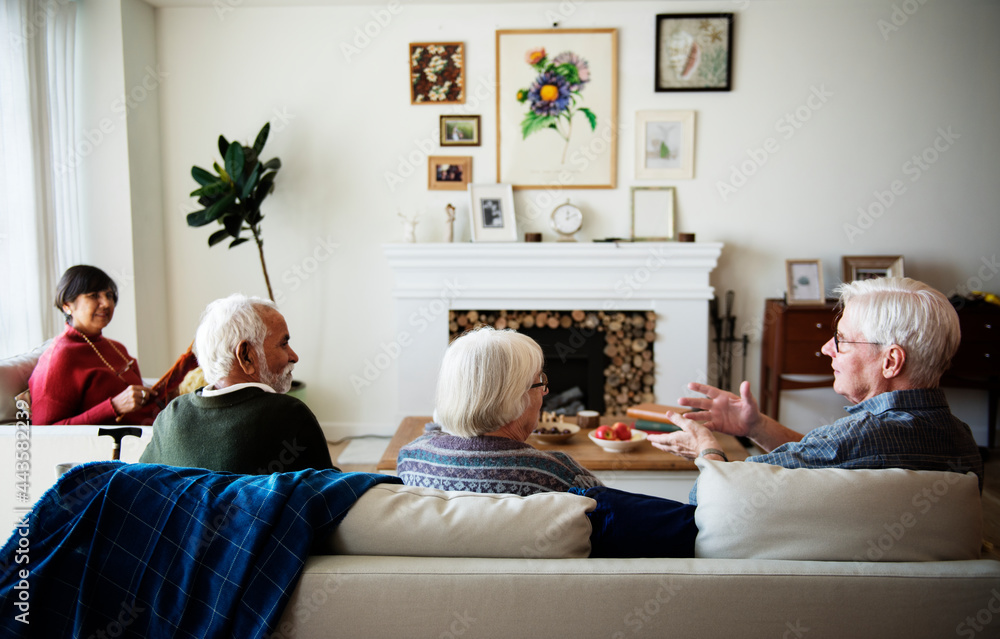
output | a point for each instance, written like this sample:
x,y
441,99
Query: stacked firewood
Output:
x,y
629,377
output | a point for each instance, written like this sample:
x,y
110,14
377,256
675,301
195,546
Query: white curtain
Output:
x,y
39,212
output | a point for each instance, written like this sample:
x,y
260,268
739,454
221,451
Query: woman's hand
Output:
x,y
722,411
688,442
132,399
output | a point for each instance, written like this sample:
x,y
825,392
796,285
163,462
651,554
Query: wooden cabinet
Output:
x,y
794,335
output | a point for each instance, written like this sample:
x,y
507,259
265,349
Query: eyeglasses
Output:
x,y
544,382
837,342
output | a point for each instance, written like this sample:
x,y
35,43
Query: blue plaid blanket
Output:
x,y
143,550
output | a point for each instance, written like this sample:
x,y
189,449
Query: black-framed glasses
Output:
x,y
544,382
837,342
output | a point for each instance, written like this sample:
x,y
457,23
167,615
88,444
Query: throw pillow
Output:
x,y
632,525
749,510
391,519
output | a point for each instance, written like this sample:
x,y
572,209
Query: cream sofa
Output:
x,y
781,553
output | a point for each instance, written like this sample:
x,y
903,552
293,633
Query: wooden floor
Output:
x,y
991,498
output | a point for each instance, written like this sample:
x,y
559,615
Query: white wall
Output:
x,y
339,125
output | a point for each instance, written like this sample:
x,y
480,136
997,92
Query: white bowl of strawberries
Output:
x,y
618,438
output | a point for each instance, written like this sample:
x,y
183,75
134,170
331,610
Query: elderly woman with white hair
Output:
x,y
489,397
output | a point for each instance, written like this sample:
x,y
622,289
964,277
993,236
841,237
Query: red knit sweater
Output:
x,y
71,385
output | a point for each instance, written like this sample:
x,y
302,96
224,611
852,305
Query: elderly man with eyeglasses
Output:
x,y
894,340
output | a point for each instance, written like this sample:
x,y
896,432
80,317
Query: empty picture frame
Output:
x,y
491,207
664,145
805,282
652,213
867,267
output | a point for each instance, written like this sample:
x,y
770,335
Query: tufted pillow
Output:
x,y
392,519
749,510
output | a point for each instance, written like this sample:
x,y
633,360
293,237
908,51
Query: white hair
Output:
x,y
903,311
484,380
225,323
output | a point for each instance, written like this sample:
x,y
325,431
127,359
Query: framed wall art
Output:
x,y
805,282
652,213
437,73
460,130
694,52
491,207
557,108
664,145
451,173
867,267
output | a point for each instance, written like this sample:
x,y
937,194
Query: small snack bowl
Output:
x,y
618,446
565,432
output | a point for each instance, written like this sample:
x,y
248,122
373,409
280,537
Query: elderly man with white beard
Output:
x,y
242,421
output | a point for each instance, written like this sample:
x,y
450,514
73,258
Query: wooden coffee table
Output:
x,y
579,447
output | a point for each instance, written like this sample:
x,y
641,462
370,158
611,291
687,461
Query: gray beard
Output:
x,y
281,382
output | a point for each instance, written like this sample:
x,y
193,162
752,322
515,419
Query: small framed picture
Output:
x,y
491,207
664,145
867,267
437,73
652,213
452,173
460,130
694,51
805,282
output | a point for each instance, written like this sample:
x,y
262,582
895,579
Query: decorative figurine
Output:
x,y
409,227
450,212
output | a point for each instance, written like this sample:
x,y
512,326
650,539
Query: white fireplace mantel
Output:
x,y
669,278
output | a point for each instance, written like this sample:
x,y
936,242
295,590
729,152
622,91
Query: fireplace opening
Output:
x,y
596,360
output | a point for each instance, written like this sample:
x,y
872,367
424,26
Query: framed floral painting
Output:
x,y
557,108
437,73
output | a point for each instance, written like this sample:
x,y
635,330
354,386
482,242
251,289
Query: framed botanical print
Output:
x,y
805,282
664,145
557,108
437,73
694,52
491,207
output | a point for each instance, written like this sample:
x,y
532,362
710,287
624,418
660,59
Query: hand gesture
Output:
x,y
722,411
691,439
132,399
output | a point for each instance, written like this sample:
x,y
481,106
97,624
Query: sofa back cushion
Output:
x,y
14,374
392,519
749,510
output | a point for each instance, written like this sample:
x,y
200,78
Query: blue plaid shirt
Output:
x,y
911,429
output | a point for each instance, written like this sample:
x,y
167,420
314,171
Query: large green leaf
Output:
x,y
203,177
212,213
238,242
261,140
217,237
273,163
233,224
212,190
533,122
250,183
234,161
223,146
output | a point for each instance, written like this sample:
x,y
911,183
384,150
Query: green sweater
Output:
x,y
249,431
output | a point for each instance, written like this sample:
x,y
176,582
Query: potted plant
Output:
x,y
232,196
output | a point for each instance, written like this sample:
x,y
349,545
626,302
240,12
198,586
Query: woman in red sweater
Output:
x,y
85,378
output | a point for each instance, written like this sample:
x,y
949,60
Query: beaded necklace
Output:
x,y
128,362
